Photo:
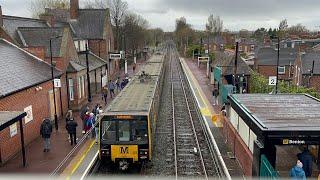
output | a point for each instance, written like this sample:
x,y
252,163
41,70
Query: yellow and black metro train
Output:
x,y
126,127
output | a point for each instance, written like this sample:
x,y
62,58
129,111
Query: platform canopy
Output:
x,y
280,117
8,118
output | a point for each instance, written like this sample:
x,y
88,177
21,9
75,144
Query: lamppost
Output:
x,y
278,57
235,64
53,88
88,76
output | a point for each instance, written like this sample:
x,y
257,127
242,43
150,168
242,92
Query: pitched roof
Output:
x,y
94,61
40,36
268,56
82,26
307,60
89,18
11,24
20,69
75,67
226,62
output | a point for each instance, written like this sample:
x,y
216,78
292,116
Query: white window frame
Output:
x,y
71,89
109,44
76,44
79,87
83,88
284,69
252,47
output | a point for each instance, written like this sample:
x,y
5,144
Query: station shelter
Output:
x,y
267,131
8,120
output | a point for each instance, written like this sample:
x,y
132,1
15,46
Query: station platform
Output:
x,y
81,164
202,90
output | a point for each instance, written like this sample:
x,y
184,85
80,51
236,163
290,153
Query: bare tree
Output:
x,y
37,7
214,24
118,10
297,29
283,26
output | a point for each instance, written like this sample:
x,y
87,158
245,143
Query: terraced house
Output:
x,y
81,22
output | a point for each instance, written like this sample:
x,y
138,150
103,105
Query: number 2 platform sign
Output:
x,y
272,80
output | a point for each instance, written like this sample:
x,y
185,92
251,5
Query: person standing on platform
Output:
x,y
105,94
117,82
134,67
297,172
306,159
69,116
45,132
72,130
111,87
83,113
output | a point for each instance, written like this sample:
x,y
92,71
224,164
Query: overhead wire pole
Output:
x,y
235,64
88,76
278,56
53,88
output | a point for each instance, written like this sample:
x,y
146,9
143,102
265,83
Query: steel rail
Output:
x,y
173,123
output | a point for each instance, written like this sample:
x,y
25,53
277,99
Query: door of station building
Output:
x,y
266,169
51,104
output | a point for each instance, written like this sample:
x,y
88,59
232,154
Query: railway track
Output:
x,y
192,155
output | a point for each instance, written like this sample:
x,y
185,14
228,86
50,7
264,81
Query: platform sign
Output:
x,y
115,56
57,83
272,80
29,116
13,129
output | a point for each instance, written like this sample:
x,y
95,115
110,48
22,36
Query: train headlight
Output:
x,y
105,151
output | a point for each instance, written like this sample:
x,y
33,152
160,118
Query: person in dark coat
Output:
x,y
105,94
306,159
297,172
72,130
45,132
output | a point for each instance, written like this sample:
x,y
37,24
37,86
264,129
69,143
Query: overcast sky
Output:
x,y
236,14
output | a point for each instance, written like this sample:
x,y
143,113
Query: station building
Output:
x,y
266,132
25,86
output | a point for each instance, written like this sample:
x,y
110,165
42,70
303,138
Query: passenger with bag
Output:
x,y
45,132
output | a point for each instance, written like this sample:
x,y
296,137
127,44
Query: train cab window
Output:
x,y
139,131
124,130
109,130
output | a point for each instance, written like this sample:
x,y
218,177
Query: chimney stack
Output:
x,y
1,20
49,18
74,8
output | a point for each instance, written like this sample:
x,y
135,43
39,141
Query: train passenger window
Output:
x,y
124,130
139,131
109,130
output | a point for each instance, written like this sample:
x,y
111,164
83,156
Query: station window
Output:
x,y
71,90
79,87
281,70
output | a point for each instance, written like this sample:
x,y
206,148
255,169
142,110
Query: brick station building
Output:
x,y
25,85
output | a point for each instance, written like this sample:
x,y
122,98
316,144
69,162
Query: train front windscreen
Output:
x,y
124,131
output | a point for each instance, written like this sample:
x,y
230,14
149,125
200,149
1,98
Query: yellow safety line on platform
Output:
x,y
76,166
205,111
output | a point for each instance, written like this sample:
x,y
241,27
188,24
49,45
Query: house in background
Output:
x,y
88,26
266,62
307,70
